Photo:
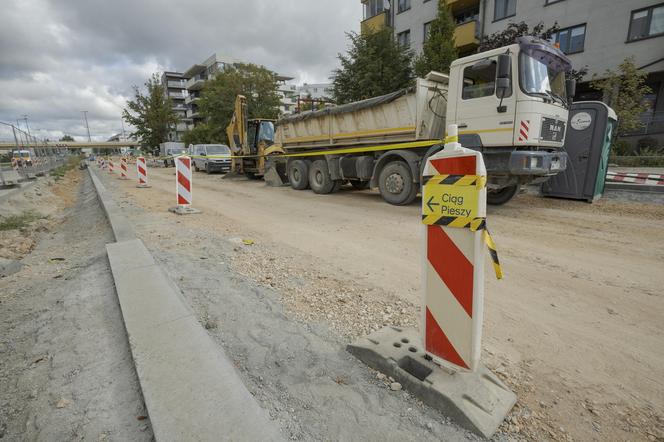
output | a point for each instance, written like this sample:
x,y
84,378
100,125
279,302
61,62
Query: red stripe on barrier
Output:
x,y
523,134
452,266
141,170
184,181
182,200
438,343
455,166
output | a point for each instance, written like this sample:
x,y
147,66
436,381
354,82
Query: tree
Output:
x,y
375,64
624,91
513,31
201,134
67,138
439,50
151,114
257,83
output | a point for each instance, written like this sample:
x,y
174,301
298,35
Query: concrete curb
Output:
x,y
190,387
633,187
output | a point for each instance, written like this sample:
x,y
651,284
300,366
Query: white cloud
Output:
x,y
63,56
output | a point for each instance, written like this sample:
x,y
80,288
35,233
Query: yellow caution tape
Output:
x,y
452,139
451,201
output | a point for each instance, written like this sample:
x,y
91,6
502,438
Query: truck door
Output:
x,y
477,109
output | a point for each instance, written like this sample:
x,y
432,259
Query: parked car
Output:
x,y
211,158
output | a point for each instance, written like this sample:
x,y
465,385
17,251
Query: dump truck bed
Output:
x,y
415,113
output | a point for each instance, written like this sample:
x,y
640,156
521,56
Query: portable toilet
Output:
x,y
588,144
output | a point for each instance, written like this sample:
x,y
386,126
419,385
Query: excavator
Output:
x,y
250,140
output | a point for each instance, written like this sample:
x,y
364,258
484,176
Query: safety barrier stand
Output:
x,y
142,173
123,168
441,364
183,187
110,165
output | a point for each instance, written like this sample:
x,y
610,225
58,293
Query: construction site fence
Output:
x,y
21,171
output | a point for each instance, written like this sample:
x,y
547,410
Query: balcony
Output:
x,y
465,36
375,23
195,83
457,5
191,99
176,84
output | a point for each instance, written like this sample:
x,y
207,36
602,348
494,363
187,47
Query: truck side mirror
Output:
x,y
570,88
504,62
503,79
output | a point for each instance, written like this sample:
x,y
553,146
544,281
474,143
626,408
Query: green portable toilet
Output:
x,y
588,144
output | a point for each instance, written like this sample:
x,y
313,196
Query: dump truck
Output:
x,y
509,103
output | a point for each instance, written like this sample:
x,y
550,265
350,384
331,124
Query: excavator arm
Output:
x,y
236,131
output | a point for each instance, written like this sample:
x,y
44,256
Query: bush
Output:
x,y
647,146
15,222
621,148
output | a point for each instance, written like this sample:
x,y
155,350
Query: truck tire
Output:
x,y
196,167
501,196
298,174
395,183
319,178
359,185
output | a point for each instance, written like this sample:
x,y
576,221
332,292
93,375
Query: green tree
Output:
x,y
67,138
375,64
438,51
151,114
257,83
624,90
201,134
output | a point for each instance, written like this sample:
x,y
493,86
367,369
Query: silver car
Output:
x,y
211,158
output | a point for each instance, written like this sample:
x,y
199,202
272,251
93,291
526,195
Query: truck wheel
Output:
x,y
298,174
319,178
501,196
359,185
395,183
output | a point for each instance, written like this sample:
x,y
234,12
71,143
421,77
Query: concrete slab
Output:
x,y
191,389
477,401
121,228
182,210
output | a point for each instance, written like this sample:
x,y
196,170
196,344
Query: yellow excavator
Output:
x,y
252,139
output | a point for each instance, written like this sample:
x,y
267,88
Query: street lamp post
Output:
x,y
85,116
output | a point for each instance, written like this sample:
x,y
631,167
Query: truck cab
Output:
x,y
512,105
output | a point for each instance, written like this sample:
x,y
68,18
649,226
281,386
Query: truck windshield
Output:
x,y
539,79
219,149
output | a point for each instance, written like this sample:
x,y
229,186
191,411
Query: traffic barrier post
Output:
x,y
183,188
123,168
440,363
142,172
110,165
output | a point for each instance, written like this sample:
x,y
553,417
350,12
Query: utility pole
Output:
x,y
85,116
27,139
25,118
124,137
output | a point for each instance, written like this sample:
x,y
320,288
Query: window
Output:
x,y
404,38
427,28
570,40
504,9
372,8
646,23
404,5
479,79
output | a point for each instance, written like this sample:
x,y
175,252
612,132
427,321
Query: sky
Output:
x,y
60,57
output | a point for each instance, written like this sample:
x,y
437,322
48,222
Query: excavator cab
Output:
x,y
260,135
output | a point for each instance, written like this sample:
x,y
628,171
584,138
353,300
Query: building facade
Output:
x,y
175,88
597,34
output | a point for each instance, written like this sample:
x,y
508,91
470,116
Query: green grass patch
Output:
x,y
15,222
60,171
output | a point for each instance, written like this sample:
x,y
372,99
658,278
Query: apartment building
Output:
x,y
175,89
597,34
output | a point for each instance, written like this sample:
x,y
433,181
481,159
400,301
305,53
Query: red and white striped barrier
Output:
x,y
142,172
110,165
15,164
123,168
183,188
635,178
453,261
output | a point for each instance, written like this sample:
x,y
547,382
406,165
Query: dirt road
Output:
x,y
575,327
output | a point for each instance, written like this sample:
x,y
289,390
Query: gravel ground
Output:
x,y
575,327
66,369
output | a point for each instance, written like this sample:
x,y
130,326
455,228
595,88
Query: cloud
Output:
x,y
60,57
